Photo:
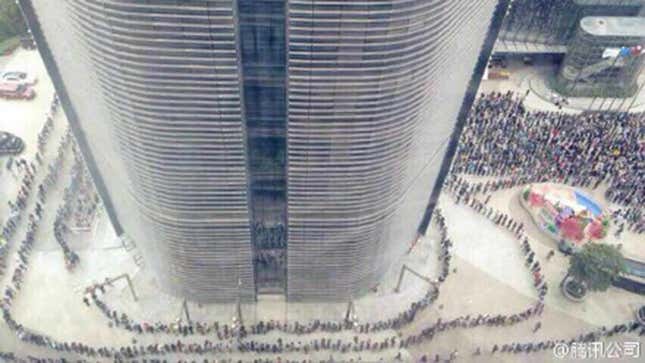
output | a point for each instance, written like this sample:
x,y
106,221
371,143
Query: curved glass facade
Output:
x,y
156,86
593,66
374,92
257,146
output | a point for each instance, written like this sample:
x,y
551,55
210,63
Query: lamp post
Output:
x,y
237,322
184,307
109,281
350,314
405,268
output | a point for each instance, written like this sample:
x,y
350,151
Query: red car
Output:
x,y
16,91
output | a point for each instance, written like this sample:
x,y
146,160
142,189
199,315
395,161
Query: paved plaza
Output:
x,y
487,275
535,78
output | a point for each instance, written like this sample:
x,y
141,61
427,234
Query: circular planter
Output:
x,y
573,290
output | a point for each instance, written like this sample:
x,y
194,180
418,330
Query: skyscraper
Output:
x,y
256,146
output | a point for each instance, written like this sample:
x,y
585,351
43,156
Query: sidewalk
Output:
x,y
538,85
24,119
533,78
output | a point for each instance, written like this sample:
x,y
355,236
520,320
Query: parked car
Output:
x,y
499,74
497,61
19,77
558,100
16,91
10,144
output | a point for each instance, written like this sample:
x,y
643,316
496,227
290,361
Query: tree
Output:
x,y
11,21
597,265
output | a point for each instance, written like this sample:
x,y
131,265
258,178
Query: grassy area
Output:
x,y
8,45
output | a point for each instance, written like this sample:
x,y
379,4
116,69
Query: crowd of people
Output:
x,y
26,246
21,166
10,357
476,157
269,237
85,204
502,138
270,253
34,220
273,261
48,126
80,203
462,192
465,192
631,218
593,336
279,346
223,331
226,345
18,205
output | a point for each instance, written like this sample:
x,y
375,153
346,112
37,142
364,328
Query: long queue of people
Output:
x,y
85,204
26,246
223,331
631,218
278,347
208,347
457,187
439,326
592,336
78,199
360,345
502,138
323,344
506,348
241,340
463,191
10,357
17,207
33,223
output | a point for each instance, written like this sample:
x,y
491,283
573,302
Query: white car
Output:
x,y
19,77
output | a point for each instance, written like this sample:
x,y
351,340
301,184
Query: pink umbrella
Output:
x,y
571,229
536,200
595,230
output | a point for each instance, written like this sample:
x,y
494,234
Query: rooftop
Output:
x,y
610,2
620,26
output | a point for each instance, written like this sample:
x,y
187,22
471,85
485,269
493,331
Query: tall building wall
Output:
x,y
374,92
156,87
196,114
